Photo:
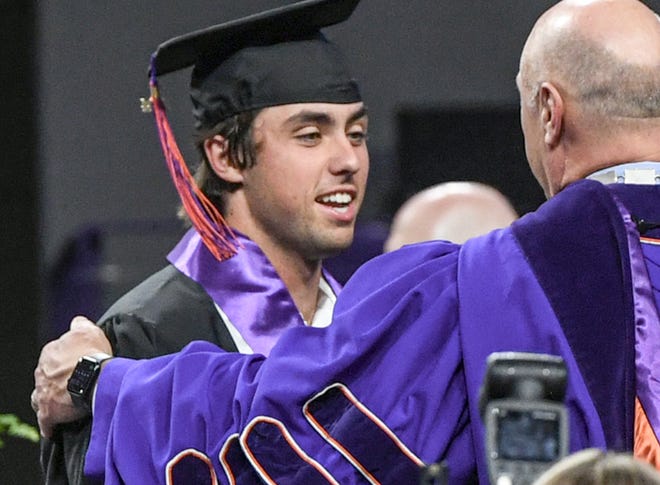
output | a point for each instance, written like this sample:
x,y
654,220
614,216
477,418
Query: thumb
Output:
x,y
80,322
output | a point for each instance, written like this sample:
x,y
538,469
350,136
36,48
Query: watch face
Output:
x,y
83,377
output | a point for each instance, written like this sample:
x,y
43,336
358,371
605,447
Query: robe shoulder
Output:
x,y
163,314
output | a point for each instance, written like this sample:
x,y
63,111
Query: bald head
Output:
x,y
453,211
603,52
589,78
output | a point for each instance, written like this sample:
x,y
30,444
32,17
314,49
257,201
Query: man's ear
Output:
x,y
552,113
217,154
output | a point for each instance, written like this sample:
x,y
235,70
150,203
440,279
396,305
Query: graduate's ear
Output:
x,y
217,153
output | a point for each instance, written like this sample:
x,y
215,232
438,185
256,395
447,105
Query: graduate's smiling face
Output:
x,y
307,186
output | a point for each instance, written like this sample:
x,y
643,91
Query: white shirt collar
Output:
x,y
636,173
324,306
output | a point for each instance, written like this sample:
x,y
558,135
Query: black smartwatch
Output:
x,y
81,383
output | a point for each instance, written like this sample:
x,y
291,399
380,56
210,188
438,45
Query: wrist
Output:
x,y
82,383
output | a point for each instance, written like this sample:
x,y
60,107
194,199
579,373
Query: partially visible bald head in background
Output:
x,y
452,211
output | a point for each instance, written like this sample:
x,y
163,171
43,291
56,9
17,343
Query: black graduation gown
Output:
x,y
159,316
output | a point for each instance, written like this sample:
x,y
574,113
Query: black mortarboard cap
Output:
x,y
267,59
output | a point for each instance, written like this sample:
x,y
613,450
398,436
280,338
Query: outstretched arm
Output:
x,y
207,413
162,416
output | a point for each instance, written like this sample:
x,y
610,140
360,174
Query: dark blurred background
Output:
x,y
88,208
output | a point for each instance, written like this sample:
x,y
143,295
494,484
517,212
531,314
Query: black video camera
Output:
x,y
521,402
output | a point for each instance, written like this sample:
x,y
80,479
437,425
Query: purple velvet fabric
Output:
x,y
648,335
645,258
587,245
246,287
409,341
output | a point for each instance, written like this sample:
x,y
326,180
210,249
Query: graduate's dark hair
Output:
x,y
237,130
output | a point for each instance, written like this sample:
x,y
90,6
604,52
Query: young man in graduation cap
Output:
x,y
281,130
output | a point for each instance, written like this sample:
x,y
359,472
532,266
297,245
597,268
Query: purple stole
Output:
x,y
246,287
647,404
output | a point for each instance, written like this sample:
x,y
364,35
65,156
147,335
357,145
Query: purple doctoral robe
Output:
x,y
394,382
